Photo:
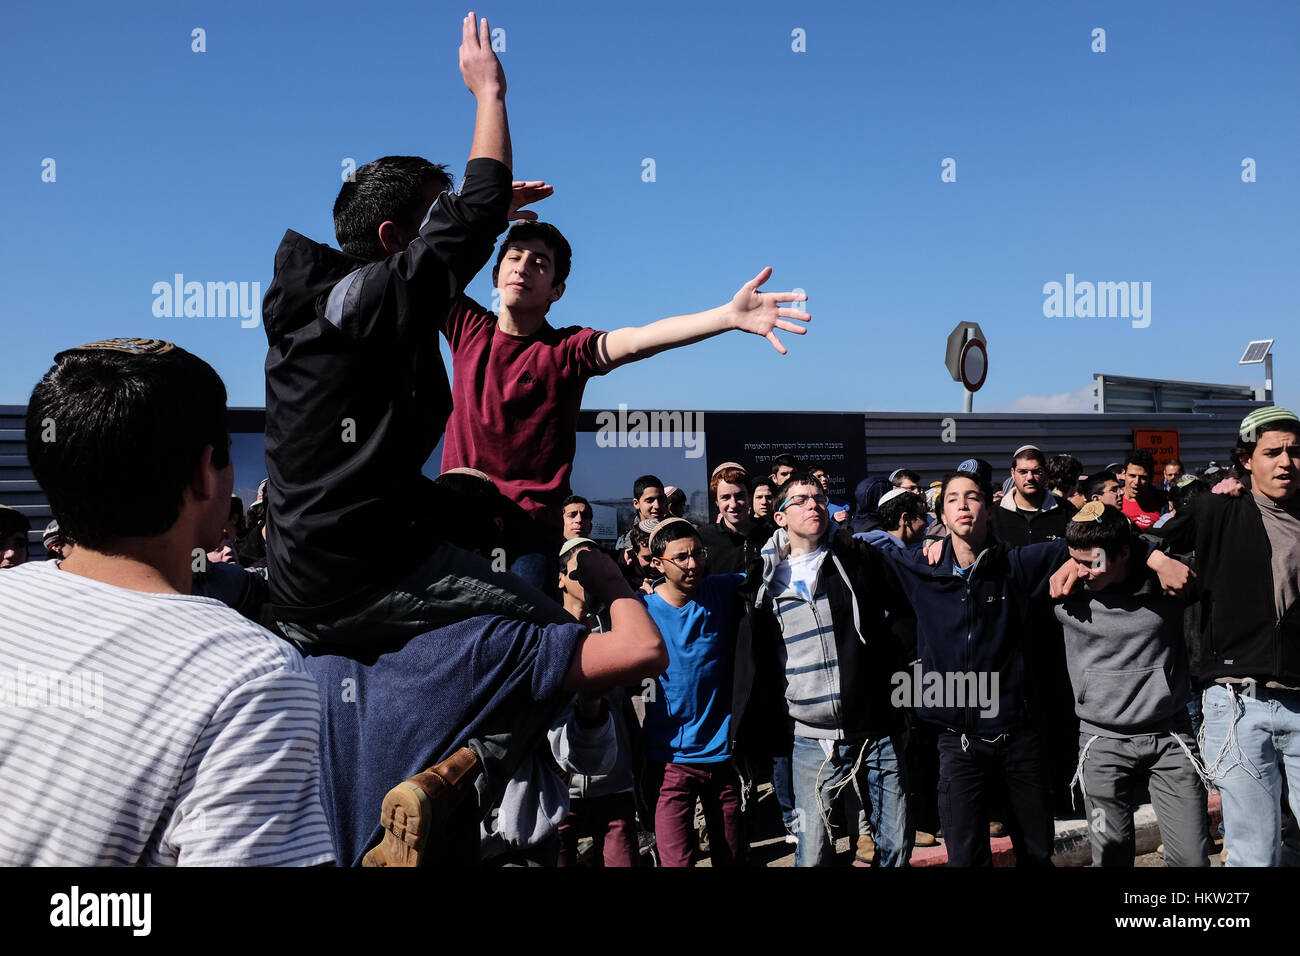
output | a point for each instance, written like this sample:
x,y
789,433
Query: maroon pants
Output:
x,y
718,788
610,821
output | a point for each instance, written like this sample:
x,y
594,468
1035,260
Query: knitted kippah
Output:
x,y
1252,423
132,346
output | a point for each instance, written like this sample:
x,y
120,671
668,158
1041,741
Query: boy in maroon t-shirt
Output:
x,y
518,382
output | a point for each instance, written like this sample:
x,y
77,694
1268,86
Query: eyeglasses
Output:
x,y
697,557
798,501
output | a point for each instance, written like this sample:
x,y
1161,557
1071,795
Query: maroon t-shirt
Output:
x,y
515,403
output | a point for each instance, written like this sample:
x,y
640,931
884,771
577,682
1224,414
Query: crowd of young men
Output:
x,y
910,666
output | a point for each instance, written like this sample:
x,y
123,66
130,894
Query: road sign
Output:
x,y
974,364
956,342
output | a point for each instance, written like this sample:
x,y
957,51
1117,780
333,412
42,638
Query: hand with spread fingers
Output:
x,y
762,312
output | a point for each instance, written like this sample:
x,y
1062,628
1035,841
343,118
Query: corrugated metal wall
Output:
x,y
928,443
895,439
18,489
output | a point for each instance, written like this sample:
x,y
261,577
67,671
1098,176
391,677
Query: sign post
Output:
x,y
967,359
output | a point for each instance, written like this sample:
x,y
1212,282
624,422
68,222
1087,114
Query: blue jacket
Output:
x,y
977,625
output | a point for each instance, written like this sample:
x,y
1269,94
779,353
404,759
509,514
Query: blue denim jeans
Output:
x,y
820,779
784,787
1249,740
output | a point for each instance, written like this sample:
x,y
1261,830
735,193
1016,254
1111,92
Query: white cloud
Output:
x,y
1074,402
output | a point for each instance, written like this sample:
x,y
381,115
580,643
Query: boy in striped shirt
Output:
x,y
141,725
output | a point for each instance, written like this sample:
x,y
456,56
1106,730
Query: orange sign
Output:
x,y
1161,442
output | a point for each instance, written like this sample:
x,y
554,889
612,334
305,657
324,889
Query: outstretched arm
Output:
x,y
487,81
750,311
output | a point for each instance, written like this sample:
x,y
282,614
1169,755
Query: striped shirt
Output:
x,y
151,729
809,652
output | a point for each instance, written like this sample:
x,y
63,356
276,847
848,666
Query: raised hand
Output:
x,y
762,313
525,193
478,63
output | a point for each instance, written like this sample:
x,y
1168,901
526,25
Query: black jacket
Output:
x,y
1241,635
978,625
1016,528
870,651
730,551
357,398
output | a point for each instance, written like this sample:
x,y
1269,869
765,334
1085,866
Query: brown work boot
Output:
x,y
996,829
923,839
414,814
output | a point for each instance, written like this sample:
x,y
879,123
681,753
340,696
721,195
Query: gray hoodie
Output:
x,y
809,653
1127,660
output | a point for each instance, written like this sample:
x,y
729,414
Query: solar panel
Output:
x,y
1256,351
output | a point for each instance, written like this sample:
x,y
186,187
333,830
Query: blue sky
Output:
x,y
1122,166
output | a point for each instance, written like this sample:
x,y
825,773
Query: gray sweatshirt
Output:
x,y
1127,660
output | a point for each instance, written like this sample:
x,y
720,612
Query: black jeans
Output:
x,y
973,772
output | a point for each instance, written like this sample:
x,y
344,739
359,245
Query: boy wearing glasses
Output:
x,y
689,714
819,619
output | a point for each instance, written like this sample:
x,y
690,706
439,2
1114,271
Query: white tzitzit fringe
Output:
x,y
834,791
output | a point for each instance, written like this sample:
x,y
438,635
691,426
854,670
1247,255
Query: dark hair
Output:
x,y
757,483
1111,533
803,477
1094,485
1063,473
389,189
13,522
785,461
674,532
637,537
1182,495
904,474
572,553
548,234
677,500
1028,454
1244,449
576,500
118,410
985,489
1142,458
909,503
473,512
1175,461
641,484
